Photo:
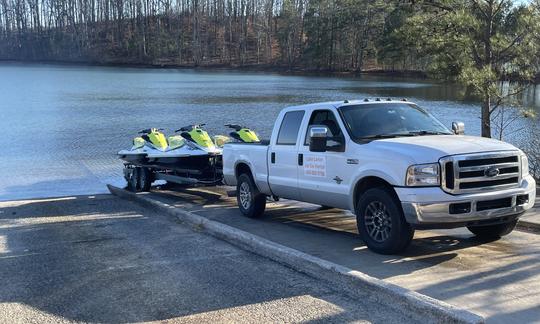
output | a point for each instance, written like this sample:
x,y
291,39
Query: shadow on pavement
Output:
x,y
493,278
102,259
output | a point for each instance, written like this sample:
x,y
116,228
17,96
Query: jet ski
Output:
x,y
151,139
193,149
243,134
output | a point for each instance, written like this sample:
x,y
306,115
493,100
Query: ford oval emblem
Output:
x,y
492,172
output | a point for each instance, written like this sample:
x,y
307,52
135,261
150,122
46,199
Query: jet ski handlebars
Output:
x,y
234,126
189,127
150,130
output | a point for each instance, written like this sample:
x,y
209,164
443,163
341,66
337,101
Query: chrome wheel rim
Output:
x,y
245,195
377,221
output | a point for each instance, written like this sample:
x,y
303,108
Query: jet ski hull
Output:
x,y
202,164
135,157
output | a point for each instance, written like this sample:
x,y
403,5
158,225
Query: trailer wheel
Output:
x,y
250,201
132,178
381,223
146,177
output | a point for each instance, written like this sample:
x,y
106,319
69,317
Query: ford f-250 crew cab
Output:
x,y
391,163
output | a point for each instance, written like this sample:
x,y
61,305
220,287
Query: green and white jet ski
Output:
x,y
151,139
243,134
192,149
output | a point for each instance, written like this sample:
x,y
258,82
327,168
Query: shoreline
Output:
x,y
284,70
269,68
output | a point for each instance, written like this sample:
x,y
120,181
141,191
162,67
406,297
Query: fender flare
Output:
x,y
365,174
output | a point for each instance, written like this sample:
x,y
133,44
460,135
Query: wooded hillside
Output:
x,y
310,34
338,35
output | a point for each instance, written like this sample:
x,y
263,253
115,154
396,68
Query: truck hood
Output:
x,y
427,149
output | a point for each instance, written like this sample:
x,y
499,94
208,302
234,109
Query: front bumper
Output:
x,y
431,207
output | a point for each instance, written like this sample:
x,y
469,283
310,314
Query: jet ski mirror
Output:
x,y
318,134
458,128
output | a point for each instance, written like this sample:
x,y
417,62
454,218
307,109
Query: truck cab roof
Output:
x,y
354,102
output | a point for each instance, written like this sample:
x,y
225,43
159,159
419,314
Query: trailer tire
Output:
x,y
133,179
146,177
381,223
250,201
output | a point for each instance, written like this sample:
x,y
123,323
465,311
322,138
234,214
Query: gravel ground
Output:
x,y
102,259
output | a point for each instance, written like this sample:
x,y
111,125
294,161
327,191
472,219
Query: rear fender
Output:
x,y
260,179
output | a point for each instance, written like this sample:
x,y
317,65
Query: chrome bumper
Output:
x,y
439,212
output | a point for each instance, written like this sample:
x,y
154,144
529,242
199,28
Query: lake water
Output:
x,y
62,125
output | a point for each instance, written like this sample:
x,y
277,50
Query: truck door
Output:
x,y
324,177
283,157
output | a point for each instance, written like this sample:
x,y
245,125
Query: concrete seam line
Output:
x,y
354,282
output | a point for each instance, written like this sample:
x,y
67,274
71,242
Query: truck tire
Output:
x,y
381,223
493,231
250,201
146,177
133,179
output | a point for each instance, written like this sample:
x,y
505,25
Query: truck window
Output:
x,y
391,119
326,118
290,126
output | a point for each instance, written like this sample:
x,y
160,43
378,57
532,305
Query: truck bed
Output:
x,y
253,154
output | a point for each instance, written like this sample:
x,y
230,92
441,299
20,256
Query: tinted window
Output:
x,y
288,132
326,118
389,119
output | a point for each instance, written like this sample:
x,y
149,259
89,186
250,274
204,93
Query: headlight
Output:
x,y
524,165
423,175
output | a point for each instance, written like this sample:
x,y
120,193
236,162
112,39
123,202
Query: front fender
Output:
x,y
393,178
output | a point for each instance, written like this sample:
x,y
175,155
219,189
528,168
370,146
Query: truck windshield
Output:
x,y
383,120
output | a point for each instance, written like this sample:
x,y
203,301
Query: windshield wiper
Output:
x,y
426,132
387,135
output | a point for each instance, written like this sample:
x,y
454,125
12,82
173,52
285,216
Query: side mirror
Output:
x,y
458,128
318,135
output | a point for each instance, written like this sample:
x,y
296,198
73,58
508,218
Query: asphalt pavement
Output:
x,y
103,259
499,280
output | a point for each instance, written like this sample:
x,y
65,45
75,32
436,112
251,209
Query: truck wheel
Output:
x,y
145,179
381,223
493,231
133,179
250,201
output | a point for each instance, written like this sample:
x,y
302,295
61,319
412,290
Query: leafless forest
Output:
x,y
310,34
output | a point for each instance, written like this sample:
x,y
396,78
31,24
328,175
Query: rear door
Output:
x,y
283,156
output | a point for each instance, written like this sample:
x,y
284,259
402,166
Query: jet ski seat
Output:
x,y
175,142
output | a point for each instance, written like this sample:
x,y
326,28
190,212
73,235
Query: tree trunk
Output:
x,y
486,117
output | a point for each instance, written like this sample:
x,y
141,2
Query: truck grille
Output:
x,y
480,172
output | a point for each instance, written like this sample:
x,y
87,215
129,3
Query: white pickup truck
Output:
x,y
391,163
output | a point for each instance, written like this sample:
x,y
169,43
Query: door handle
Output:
x,y
300,159
273,157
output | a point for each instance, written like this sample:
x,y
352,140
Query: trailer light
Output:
x,y
423,175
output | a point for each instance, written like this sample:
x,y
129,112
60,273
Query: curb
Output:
x,y
358,284
528,226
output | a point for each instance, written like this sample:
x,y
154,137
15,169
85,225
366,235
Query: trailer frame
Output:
x,y
140,176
